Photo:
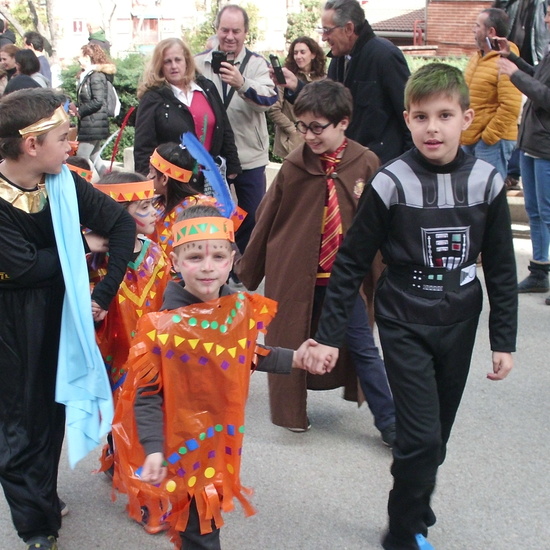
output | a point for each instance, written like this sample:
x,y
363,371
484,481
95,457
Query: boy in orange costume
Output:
x,y
187,384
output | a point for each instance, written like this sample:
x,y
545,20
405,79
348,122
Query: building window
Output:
x,y
145,30
78,26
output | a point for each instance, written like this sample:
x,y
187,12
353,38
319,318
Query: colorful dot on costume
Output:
x,y
192,481
196,466
173,458
210,432
182,450
176,318
214,325
241,429
209,473
205,324
184,358
230,469
180,472
203,361
218,428
228,451
202,436
171,486
223,329
169,354
211,454
193,322
224,365
192,445
231,429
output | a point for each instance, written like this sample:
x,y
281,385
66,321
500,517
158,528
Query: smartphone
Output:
x,y
217,58
493,44
277,69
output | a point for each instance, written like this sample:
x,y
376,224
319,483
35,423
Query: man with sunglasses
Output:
x,y
374,70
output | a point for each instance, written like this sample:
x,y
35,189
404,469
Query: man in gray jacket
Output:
x,y
247,92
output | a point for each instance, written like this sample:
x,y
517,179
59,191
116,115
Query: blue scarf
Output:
x,y
82,384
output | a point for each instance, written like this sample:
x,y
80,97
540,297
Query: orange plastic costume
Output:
x,y
200,357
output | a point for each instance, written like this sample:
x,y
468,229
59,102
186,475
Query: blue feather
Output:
x,y
211,173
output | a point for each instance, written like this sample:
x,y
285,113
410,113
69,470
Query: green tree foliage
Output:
x,y
305,21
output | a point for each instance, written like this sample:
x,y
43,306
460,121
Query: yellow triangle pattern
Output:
x,y
152,335
193,343
232,352
163,338
219,349
208,346
242,342
178,340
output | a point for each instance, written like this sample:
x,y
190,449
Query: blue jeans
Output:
x,y
369,366
535,176
497,154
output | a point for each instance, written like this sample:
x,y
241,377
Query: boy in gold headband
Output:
x,y
179,422
46,333
141,290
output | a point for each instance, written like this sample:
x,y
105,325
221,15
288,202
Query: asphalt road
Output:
x,y
327,489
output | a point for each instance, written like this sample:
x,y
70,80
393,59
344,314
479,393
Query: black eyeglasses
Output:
x,y
315,127
325,31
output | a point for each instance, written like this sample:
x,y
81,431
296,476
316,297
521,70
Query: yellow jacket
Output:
x,y
495,100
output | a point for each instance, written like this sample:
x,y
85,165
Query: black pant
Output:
x,y
427,369
192,539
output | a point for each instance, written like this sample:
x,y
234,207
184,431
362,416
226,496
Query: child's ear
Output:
x,y
345,123
174,259
30,146
468,117
406,117
233,252
163,180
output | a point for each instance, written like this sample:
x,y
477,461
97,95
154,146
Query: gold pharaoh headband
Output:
x,y
46,124
169,169
199,229
82,172
128,192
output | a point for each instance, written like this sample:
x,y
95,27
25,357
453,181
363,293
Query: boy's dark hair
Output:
x,y
325,98
79,162
232,7
176,191
435,79
121,177
27,61
499,20
35,39
21,109
199,211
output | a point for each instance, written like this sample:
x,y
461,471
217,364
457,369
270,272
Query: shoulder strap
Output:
x,y
242,67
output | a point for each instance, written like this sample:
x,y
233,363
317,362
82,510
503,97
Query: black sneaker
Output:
x,y
388,435
42,543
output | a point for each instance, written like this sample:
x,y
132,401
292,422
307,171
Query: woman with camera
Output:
x,y
175,99
306,60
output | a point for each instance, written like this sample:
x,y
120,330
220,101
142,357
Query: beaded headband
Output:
x,y
82,172
46,124
199,229
169,169
128,192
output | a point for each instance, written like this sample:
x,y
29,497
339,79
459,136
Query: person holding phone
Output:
x,y
247,92
174,99
306,60
494,99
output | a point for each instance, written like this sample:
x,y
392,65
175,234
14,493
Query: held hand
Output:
x,y
502,365
505,66
300,354
320,359
503,46
231,75
153,470
98,313
96,243
290,77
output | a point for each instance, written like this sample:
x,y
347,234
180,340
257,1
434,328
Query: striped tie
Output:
x,y
332,226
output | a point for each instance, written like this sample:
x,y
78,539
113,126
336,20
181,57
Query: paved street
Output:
x,y
327,489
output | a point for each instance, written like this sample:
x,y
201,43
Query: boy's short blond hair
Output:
x,y
437,79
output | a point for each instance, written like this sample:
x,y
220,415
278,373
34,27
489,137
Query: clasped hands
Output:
x,y
314,357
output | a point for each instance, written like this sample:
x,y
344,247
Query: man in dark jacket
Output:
x,y
7,36
375,71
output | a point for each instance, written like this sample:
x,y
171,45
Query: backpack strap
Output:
x,y
242,67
